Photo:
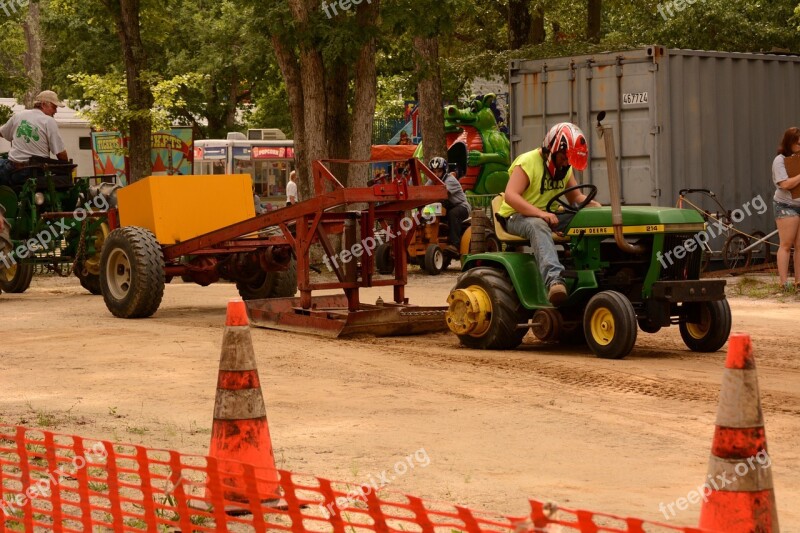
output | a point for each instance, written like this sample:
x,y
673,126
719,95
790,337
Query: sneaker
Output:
x,y
452,250
557,293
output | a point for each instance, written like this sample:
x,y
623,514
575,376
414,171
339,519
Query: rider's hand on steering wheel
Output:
x,y
550,218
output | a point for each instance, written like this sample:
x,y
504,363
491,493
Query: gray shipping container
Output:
x,y
688,119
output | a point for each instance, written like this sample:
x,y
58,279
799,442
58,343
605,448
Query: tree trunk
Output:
x,y
32,59
233,101
365,97
140,97
538,34
313,82
593,20
337,118
519,23
290,69
429,88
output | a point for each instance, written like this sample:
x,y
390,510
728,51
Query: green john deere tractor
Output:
x,y
54,220
626,269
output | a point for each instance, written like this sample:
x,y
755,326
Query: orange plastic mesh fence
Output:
x,y
67,483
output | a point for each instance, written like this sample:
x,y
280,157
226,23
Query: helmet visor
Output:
x,y
578,155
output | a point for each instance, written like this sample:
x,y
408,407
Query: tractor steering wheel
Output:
x,y
568,208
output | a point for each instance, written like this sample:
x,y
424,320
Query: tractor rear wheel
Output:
x,y
88,271
276,284
384,258
484,310
17,278
434,260
711,332
609,323
132,272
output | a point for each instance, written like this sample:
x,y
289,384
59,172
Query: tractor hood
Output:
x,y
636,219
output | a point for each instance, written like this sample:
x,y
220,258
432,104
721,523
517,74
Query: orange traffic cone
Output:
x,y
738,496
240,431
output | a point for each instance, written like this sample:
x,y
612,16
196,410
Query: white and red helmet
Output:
x,y
567,137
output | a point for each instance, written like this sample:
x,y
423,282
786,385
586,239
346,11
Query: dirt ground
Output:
x,y
542,421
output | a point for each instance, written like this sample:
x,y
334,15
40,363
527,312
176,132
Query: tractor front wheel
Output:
x,y
132,272
434,260
17,278
711,332
275,284
609,323
484,310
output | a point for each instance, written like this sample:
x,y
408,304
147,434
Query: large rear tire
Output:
x,y
17,278
132,272
713,329
277,284
609,323
484,310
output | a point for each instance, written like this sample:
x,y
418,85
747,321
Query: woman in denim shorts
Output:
x,y
787,209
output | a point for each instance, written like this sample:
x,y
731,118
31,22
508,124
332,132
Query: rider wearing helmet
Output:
x,y
457,206
536,177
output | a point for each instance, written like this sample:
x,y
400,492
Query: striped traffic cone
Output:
x,y
240,431
738,495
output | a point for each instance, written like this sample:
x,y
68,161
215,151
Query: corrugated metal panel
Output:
x,y
689,118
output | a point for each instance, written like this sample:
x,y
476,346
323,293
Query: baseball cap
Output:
x,y
50,97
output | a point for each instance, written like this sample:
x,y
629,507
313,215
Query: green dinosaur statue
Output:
x,y
474,130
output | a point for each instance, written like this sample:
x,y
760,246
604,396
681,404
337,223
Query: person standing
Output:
x,y
291,190
536,177
32,133
787,209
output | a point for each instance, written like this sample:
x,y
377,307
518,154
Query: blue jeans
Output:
x,y
19,177
5,171
540,235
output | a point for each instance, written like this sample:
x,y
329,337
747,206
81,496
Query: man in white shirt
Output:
x,y
32,133
291,190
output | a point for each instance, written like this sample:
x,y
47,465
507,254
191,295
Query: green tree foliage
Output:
x,y
105,99
228,43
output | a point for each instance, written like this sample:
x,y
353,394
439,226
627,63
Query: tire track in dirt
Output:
x,y
442,353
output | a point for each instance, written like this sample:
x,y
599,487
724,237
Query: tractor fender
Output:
x,y
521,269
527,281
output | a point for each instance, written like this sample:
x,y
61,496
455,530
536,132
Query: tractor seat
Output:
x,y
61,174
505,236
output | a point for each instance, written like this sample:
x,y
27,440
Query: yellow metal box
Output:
x,y
177,208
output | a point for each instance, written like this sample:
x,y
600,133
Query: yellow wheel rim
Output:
x,y
699,331
602,326
469,311
9,273
92,264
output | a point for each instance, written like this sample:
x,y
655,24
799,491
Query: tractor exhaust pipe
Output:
x,y
607,134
